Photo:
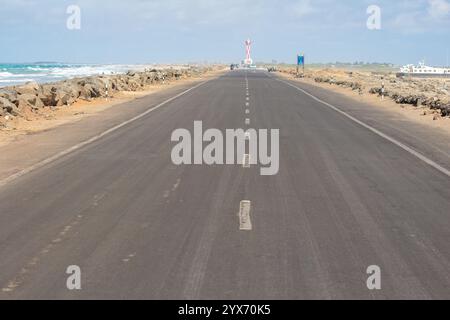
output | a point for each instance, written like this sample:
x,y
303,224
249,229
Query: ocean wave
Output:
x,y
43,73
20,75
37,69
15,81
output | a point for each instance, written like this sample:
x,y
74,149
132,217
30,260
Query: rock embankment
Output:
x,y
343,83
416,100
428,93
18,100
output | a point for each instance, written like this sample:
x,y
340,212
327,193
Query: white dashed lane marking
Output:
x,y
246,161
245,223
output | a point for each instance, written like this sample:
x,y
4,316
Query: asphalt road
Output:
x,y
140,227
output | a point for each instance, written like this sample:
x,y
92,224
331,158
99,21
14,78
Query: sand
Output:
x,y
421,114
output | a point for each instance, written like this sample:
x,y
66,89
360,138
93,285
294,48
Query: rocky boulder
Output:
x,y
415,100
119,83
29,100
29,88
8,107
94,87
134,84
33,95
89,91
8,94
47,95
58,95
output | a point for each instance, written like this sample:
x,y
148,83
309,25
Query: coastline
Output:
x,y
31,117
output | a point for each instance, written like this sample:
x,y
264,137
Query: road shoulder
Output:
x,y
432,141
28,150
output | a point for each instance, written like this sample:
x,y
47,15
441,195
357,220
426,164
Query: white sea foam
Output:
x,y
16,81
49,73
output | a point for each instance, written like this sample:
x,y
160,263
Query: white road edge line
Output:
x,y
94,138
245,223
379,133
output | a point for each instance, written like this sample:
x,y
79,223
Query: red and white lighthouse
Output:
x,y
248,48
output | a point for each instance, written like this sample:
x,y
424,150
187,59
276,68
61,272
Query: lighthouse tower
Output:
x,y
248,48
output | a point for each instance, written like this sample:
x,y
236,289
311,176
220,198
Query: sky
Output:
x,y
181,31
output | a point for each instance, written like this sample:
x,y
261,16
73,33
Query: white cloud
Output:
x,y
420,16
409,22
438,9
302,8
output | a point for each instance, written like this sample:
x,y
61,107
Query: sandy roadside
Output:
x,y
48,118
421,114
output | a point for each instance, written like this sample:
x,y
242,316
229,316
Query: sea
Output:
x,y
15,74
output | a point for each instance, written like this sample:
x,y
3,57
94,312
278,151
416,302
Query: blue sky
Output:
x,y
173,31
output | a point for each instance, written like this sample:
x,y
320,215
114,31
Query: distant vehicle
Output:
x,y
423,71
234,66
272,69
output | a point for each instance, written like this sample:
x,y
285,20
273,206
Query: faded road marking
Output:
x,y
167,193
176,185
129,257
246,161
33,262
245,223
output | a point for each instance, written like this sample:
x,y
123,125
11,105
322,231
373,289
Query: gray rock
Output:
x,y
63,98
134,85
29,100
29,88
8,94
8,107
47,95
67,92
54,95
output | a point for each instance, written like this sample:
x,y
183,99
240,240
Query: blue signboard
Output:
x,y
300,60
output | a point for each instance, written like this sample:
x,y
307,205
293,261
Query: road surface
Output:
x,y
140,227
